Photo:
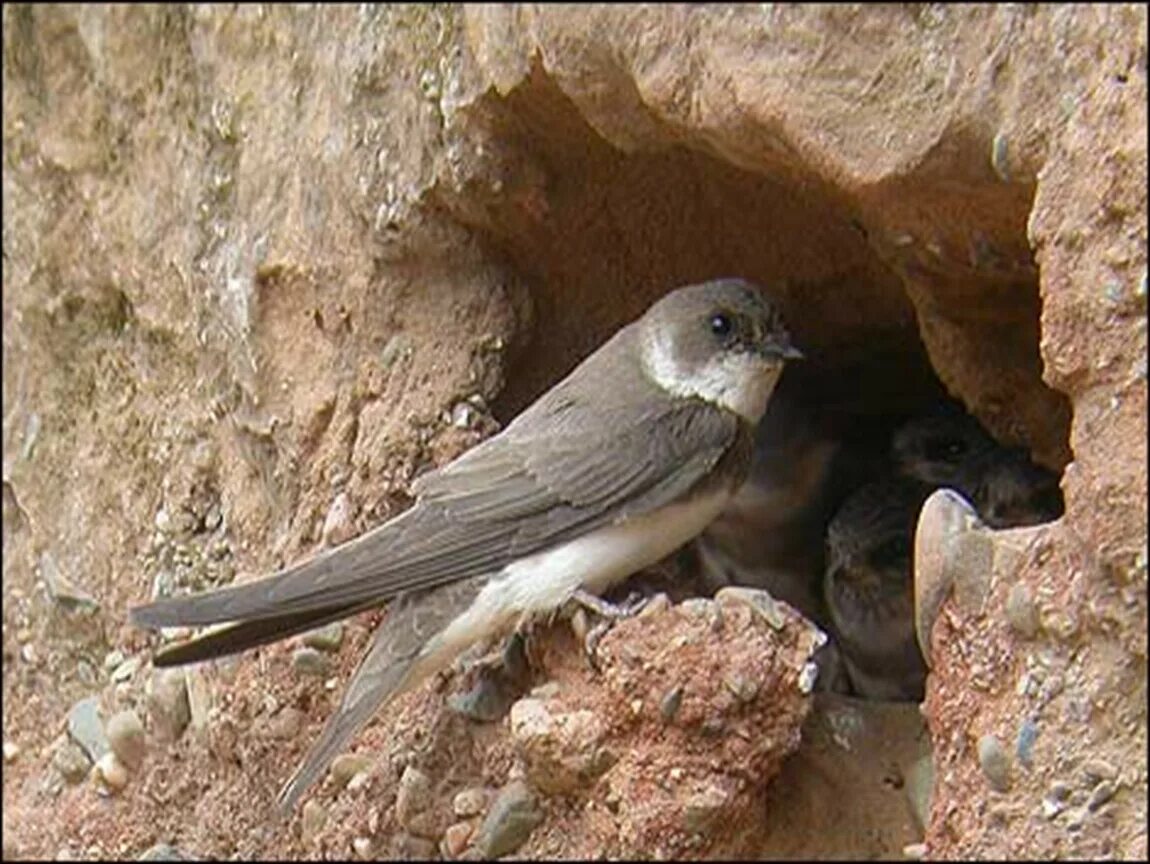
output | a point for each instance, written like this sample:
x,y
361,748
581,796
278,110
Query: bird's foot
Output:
x,y
608,613
500,677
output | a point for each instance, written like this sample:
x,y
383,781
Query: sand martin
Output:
x,y
947,447
869,591
617,465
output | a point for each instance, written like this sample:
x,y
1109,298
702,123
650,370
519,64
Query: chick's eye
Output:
x,y
720,325
945,449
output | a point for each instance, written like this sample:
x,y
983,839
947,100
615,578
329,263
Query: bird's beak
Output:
x,y
781,347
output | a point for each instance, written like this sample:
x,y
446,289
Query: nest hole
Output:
x,y
903,297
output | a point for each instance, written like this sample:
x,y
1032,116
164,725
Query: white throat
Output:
x,y
738,382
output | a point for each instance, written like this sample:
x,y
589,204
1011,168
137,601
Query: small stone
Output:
x,y
1101,793
658,604
914,851
312,820
111,660
1076,819
126,670
338,526
86,729
1100,769
363,847
760,602
327,638
1052,807
11,751
469,802
808,677
413,796
167,701
309,661
546,690
125,733
165,852
412,848
999,159
509,822
359,780
111,772
455,838
1021,613
286,724
70,760
670,703
1024,747
994,762
743,688
561,751
345,766
704,809
919,787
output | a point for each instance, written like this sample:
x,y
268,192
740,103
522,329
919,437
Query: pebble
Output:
x,y
167,701
312,820
455,838
327,638
561,751
363,847
670,703
125,733
1100,769
112,659
743,688
919,780
412,848
86,729
126,670
286,724
1021,613
914,851
360,780
485,702
310,661
346,766
808,677
704,809
70,760
994,762
509,823
413,796
1101,793
1076,819
761,602
469,802
338,525
1052,807
165,852
111,772
11,751
1024,746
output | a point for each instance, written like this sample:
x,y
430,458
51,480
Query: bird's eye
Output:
x,y
720,325
946,449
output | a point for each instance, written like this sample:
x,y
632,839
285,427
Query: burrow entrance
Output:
x,y
867,282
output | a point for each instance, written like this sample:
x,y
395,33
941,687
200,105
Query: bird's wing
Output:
x,y
546,482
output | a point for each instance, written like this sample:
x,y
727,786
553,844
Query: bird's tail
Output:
x,y
250,634
423,633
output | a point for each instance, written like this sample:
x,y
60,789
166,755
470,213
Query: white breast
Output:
x,y
594,562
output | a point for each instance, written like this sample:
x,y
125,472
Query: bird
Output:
x,y
613,468
770,534
868,588
946,447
